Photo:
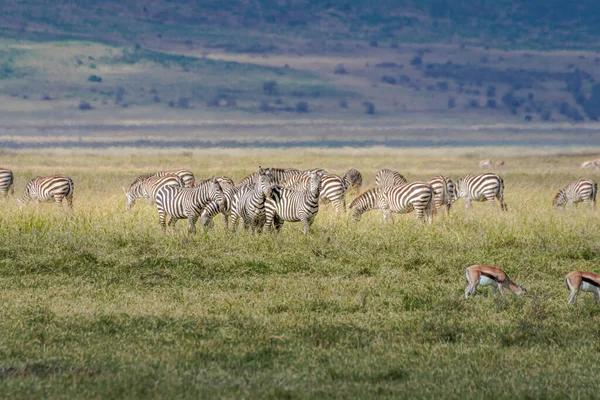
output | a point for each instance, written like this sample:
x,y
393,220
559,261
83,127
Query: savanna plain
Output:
x,y
98,302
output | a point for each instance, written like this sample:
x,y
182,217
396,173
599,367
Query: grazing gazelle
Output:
x,y
486,275
580,280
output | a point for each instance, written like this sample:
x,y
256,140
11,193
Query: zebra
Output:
x,y
147,186
353,179
181,202
482,187
6,182
582,190
367,201
294,206
187,176
46,188
443,192
387,177
333,188
277,175
249,203
415,196
213,208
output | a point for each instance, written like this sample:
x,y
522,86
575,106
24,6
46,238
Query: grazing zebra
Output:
x,y
387,177
416,196
147,186
354,180
46,188
294,206
181,202
213,208
6,182
367,201
582,190
482,187
277,176
333,188
443,193
249,203
187,176
485,164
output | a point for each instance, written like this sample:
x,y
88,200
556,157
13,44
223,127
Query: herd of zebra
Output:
x,y
271,196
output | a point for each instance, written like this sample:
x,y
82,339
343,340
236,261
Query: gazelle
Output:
x,y
485,164
580,280
486,275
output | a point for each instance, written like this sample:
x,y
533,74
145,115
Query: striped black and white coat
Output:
x,y
6,182
147,187
333,188
366,201
48,188
213,208
187,176
278,175
582,190
443,192
181,202
249,203
294,205
415,196
482,187
387,177
353,179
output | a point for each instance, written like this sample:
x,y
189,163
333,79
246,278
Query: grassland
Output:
x,y
99,303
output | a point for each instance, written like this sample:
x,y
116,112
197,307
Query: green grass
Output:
x,y
99,303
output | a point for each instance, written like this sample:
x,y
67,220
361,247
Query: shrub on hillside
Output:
x,y
369,107
339,69
270,88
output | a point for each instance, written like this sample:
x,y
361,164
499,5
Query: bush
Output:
x,y
417,61
528,118
373,43
339,69
388,79
369,107
94,78
442,86
491,103
84,105
46,98
156,99
546,115
451,102
473,103
119,95
491,91
302,107
270,88
343,104
171,103
264,106
183,102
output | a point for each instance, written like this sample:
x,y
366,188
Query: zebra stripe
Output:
x,y
363,203
182,202
443,193
353,179
582,190
416,196
278,175
187,176
387,177
249,203
47,188
147,187
482,187
6,182
294,206
213,208
333,188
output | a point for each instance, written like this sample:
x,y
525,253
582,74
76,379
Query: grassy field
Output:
x,y
99,303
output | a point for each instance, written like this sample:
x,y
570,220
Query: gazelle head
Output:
x,y
521,291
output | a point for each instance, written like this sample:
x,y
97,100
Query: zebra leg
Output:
x,y
468,204
192,224
161,219
339,206
171,223
307,224
225,220
70,202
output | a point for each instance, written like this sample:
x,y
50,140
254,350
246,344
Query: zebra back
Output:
x,y
6,181
277,175
182,202
387,177
186,175
581,190
353,179
482,187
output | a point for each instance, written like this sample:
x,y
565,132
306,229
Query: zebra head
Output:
x,y
28,193
129,198
315,180
559,200
263,183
